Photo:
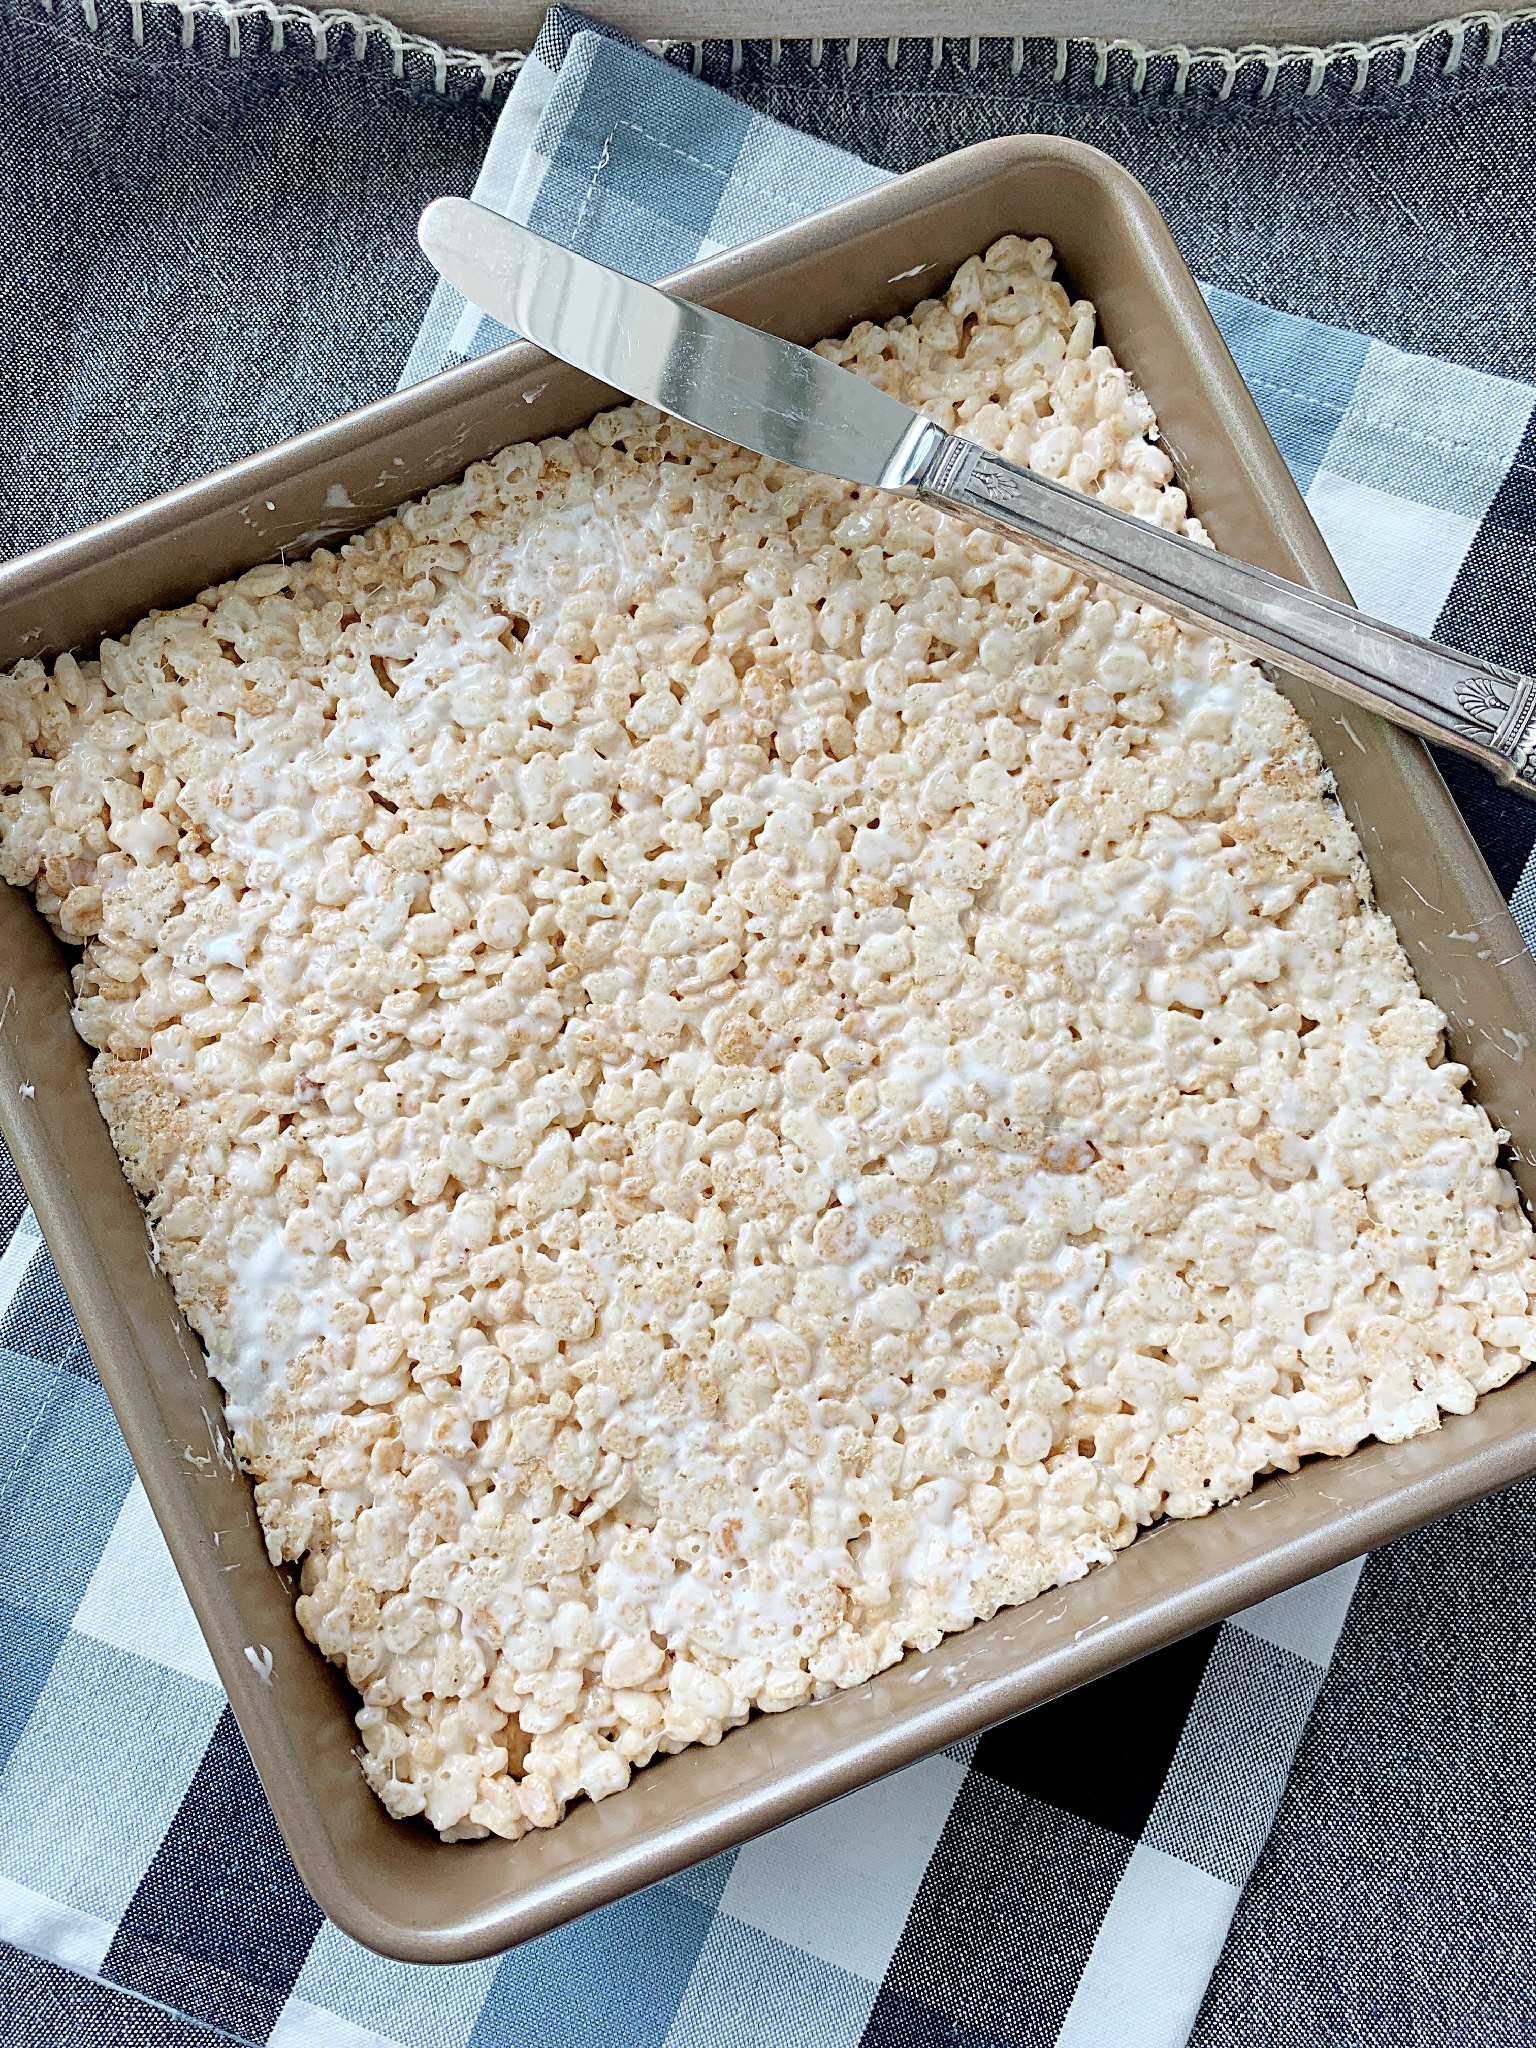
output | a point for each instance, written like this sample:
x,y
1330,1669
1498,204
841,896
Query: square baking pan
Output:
x,y
393,1885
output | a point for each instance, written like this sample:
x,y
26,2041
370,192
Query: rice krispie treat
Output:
x,y
735,1075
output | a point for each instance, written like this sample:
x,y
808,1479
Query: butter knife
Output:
x,y
783,401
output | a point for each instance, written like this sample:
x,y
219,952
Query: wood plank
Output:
x,y
512,24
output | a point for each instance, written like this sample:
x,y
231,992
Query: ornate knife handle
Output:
x,y
1486,712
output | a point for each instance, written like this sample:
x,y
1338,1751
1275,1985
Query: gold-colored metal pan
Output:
x,y
393,1885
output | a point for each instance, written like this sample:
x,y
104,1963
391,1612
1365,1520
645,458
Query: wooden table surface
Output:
x,y
512,24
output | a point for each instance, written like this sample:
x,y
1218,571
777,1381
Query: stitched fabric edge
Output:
x,y
1484,30
332,32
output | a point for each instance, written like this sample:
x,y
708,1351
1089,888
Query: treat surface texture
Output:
x,y
735,1076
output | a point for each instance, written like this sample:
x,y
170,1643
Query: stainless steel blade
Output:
x,y
732,380
783,401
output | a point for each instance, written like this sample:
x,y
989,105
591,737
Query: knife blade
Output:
x,y
784,401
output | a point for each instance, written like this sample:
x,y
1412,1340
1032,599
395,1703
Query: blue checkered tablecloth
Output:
x,y
1020,1889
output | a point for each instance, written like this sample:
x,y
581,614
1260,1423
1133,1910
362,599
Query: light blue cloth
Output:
x,y
634,163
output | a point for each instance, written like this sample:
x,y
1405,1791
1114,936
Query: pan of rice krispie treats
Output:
x,y
736,1078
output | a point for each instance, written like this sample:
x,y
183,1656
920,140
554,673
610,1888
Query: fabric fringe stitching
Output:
x,y
332,32
337,30
1408,47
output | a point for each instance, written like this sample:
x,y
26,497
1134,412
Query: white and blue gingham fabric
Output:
x,y
137,1850
1069,1879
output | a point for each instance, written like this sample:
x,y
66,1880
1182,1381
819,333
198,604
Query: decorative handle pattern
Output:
x,y
1472,706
